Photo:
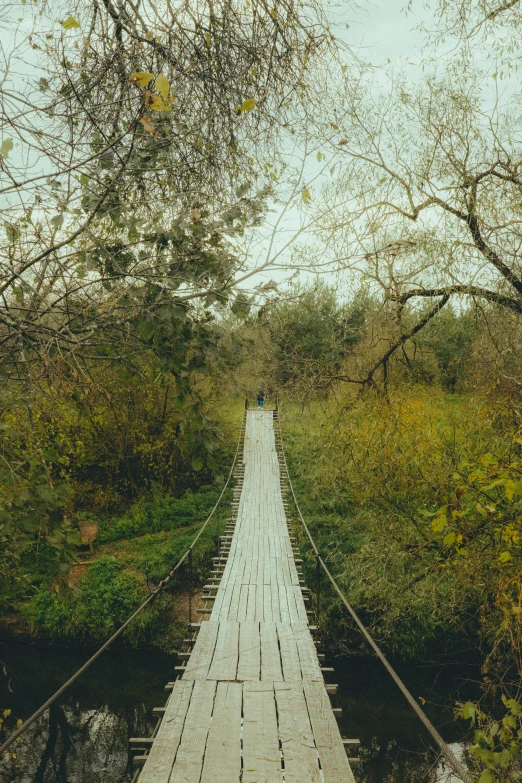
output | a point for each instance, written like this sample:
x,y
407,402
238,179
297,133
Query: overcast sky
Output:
x,y
383,35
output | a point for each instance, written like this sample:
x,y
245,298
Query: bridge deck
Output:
x,y
251,705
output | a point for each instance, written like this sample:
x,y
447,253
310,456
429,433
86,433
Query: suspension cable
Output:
x,y
152,597
446,751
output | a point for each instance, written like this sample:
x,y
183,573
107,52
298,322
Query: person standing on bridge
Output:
x,y
260,399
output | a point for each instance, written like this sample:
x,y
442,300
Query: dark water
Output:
x,y
395,746
84,739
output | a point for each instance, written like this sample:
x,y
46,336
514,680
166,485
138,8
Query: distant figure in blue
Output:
x,y
261,399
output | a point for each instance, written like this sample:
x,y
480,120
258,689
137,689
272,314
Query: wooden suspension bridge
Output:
x,y
250,703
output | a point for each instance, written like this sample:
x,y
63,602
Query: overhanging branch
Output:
x,y
467,290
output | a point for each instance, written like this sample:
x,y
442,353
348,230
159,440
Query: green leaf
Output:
x,y
241,306
504,557
12,232
438,524
70,23
247,105
487,777
57,221
6,147
449,539
469,711
197,463
509,489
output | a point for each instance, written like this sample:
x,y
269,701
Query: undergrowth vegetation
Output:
x,y
415,499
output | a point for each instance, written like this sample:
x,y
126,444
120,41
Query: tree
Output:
x,y
310,333
134,155
434,173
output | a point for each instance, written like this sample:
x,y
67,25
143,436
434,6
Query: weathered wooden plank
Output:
x,y
222,763
289,655
233,611
299,751
224,662
260,614
201,658
276,612
310,667
334,764
270,657
283,604
251,605
189,759
163,752
249,666
261,754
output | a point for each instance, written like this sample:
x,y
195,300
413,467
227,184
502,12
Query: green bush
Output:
x,y
106,597
160,514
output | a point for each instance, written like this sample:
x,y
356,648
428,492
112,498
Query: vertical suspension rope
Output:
x,y
318,590
190,585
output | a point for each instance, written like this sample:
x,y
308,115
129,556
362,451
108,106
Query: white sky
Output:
x,y
383,35
386,36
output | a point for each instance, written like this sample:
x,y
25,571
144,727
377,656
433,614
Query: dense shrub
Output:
x,y
104,599
162,513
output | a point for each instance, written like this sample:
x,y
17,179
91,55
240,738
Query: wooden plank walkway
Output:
x,y
251,705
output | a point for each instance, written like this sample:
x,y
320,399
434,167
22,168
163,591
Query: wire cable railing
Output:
x,y
446,751
148,601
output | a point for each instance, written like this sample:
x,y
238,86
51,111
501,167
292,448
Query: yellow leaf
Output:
x,y
509,489
320,156
438,524
141,79
422,701
247,105
449,539
158,104
504,557
69,23
162,85
6,147
343,141
207,38
147,125
305,195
